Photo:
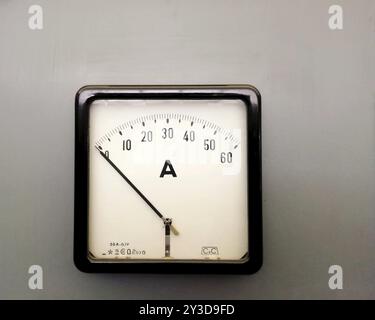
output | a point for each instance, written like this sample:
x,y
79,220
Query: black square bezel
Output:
x,y
252,100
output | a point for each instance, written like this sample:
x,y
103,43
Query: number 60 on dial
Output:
x,y
168,179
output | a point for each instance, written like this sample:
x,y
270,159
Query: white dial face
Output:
x,y
168,180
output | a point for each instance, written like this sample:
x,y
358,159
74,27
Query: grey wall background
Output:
x,y
318,134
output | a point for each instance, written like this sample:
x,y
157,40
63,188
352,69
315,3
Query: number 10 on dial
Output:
x,y
168,179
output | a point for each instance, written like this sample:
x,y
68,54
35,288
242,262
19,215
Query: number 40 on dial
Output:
x,y
168,179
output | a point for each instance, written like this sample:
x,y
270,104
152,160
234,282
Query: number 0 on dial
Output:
x,y
168,179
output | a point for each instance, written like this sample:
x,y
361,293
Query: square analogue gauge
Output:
x,y
168,179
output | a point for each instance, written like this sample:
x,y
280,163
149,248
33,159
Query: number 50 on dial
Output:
x,y
168,179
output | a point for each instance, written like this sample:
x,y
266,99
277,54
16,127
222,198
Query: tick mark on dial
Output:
x,y
167,120
120,133
143,123
192,123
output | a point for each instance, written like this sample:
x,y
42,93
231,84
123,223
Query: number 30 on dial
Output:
x,y
168,179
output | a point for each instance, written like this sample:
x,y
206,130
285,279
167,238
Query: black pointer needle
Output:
x,y
173,229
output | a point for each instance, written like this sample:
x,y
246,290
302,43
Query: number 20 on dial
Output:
x,y
168,179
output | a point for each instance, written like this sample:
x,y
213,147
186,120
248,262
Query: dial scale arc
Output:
x,y
168,118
